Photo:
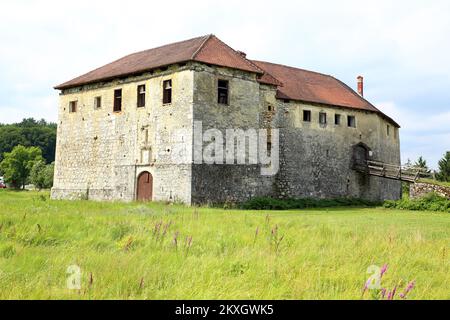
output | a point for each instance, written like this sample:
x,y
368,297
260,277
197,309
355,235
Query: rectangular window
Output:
x,y
322,118
337,119
306,115
141,96
167,92
73,106
388,130
222,91
98,102
351,121
118,100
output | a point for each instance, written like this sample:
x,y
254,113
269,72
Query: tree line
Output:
x,y
27,153
443,172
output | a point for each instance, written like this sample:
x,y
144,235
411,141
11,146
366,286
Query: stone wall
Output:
x,y
316,159
100,153
418,190
248,102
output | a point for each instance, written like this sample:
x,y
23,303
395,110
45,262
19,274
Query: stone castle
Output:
x,y
119,129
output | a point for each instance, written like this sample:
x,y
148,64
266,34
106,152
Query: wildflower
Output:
x,y
408,289
383,270
383,293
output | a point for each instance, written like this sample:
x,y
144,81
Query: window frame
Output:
x,y
226,89
337,119
167,93
351,121
73,106
117,106
307,118
98,102
141,96
323,115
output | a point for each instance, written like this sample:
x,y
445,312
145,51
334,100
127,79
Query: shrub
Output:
x,y
41,175
265,203
430,202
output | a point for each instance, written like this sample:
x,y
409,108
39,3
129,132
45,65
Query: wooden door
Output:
x,y
145,187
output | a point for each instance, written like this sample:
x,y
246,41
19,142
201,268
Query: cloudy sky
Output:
x,y
401,47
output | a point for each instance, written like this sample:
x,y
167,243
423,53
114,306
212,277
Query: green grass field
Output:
x,y
315,254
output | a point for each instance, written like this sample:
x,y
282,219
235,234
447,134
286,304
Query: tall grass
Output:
x,y
157,251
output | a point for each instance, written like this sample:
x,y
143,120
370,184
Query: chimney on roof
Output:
x,y
361,86
242,54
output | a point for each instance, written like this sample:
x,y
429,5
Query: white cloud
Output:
x,y
423,133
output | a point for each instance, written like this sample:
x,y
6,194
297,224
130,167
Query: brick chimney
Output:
x,y
361,86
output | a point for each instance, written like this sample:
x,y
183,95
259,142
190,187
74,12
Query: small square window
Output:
x,y
222,91
337,119
322,118
307,115
167,92
73,106
98,102
141,96
351,121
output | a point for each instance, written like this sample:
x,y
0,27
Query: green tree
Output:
x,y
29,133
444,168
41,175
17,164
421,163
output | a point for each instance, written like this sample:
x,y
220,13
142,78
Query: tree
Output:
x,y
444,168
421,163
41,175
17,164
29,133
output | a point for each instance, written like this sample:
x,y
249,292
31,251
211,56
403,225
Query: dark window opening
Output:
x,y
167,92
351,121
306,115
337,119
118,100
322,118
98,102
222,91
141,96
271,108
73,106
269,149
388,130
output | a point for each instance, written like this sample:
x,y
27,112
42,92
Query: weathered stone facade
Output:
x,y
100,153
418,190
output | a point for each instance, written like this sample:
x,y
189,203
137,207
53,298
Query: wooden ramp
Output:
x,y
389,171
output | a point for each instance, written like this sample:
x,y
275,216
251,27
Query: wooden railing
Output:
x,y
390,171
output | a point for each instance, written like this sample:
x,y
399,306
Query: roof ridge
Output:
x,y
202,45
247,61
296,68
163,46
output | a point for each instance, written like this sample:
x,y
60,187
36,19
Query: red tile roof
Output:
x,y
207,49
292,83
309,86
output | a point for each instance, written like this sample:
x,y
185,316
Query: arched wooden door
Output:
x,y
145,187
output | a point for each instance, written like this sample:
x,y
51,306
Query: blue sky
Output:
x,y
402,48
